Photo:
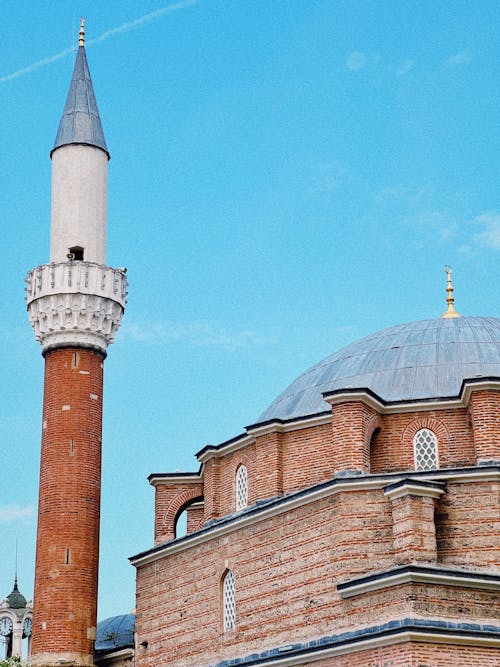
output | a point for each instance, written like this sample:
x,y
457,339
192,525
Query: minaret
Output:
x,y
75,305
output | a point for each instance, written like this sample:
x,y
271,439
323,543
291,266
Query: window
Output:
x,y
75,253
229,601
241,488
425,449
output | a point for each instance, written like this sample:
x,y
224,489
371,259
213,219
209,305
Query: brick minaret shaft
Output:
x,y
68,512
75,305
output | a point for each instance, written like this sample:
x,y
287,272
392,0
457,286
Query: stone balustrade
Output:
x,y
75,303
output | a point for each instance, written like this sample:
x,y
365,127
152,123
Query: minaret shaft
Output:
x,y
66,574
79,203
75,305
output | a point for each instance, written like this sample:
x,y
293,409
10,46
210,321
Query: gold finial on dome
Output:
x,y
81,35
450,300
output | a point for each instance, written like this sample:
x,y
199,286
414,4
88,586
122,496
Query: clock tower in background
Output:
x,y
15,624
75,305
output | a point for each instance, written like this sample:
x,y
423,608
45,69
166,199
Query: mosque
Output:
x,y
355,524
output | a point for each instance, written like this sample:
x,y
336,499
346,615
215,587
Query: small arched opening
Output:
x,y
185,517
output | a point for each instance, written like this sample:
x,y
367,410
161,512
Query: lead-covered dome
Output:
x,y
115,633
415,361
16,599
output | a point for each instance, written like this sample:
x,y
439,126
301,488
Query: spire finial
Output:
x,y
15,575
450,300
81,35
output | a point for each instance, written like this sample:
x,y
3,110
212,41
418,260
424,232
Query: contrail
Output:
x,y
37,65
124,27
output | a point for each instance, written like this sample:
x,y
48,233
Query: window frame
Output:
x,y
418,447
241,487
228,601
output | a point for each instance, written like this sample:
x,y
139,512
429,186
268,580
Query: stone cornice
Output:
x,y
252,432
374,401
123,653
420,574
291,425
216,451
365,396
276,506
173,479
414,487
75,304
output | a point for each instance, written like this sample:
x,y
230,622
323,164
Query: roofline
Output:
x,y
269,426
126,651
79,143
420,573
395,630
363,394
281,504
382,406
159,478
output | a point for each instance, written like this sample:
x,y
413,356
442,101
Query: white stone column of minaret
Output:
x,y
79,196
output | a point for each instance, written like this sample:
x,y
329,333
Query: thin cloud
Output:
x,y
14,512
199,334
458,59
405,67
447,233
489,237
124,27
356,61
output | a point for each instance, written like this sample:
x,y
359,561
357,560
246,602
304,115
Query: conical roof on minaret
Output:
x,y
80,121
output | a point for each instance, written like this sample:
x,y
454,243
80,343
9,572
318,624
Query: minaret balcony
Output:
x,y
75,303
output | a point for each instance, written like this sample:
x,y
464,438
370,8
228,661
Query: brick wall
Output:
x,y
468,525
352,425
357,439
414,529
307,457
392,446
170,500
195,517
65,601
415,655
286,569
484,408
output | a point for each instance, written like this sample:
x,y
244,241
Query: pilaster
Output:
x,y
484,410
351,435
414,530
269,467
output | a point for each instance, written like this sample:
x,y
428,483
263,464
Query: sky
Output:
x,y
286,176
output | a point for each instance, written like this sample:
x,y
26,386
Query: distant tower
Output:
x,y
15,623
75,305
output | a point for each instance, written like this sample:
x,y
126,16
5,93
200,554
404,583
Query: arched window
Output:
x,y
241,488
229,601
425,447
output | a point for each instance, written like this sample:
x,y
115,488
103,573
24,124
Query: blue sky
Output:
x,y
286,176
